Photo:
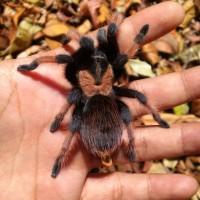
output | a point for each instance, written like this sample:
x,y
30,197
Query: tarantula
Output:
x,y
99,115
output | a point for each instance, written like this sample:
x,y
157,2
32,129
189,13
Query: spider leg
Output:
x,y
74,97
57,165
126,92
64,155
108,44
66,38
59,117
61,59
102,40
139,38
126,117
112,41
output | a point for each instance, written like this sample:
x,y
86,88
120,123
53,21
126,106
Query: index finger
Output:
x,y
166,91
159,24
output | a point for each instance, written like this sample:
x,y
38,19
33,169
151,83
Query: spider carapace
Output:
x,y
99,114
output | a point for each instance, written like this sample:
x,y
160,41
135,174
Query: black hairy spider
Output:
x,y
99,115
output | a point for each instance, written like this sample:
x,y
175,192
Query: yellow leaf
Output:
x,y
157,167
52,43
170,163
56,29
190,13
18,15
85,27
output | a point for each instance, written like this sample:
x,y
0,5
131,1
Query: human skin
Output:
x,y
30,101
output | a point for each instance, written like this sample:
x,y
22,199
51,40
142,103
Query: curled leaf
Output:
x,y
167,44
23,37
56,29
3,42
170,163
139,67
190,13
190,54
85,27
157,167
150,53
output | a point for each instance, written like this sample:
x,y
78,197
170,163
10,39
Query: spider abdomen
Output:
x,y
101,126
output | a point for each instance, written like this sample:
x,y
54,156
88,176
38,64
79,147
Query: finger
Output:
x,y
159,23
128,30
166,91
152,143
139,186
69,182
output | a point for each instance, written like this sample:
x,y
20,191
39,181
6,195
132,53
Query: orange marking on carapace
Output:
x,y
88,83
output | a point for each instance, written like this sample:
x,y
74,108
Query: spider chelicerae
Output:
x,y
99,114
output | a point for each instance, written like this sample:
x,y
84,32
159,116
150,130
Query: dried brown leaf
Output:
x,y
85,27
190,13
163,69
48,3
170,118
181,166
32,50
3,43
170,163
56,29
83,8
104,12
135,66
189,164
157,167
167,44
17,15
193,38
23,37
123,5
190,54
52,44
150,53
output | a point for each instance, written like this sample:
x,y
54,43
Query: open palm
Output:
x,y
30,101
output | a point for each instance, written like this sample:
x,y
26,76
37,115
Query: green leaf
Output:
x,y
190,54
24,36
181,109
141,67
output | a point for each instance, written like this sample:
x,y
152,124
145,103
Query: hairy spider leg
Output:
x,y
138,40
60,59
81,59
59,118
64,39
74,127
63,154
74,97
108,44
126,92
126,117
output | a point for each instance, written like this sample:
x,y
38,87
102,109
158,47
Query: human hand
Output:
x,y
30,101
